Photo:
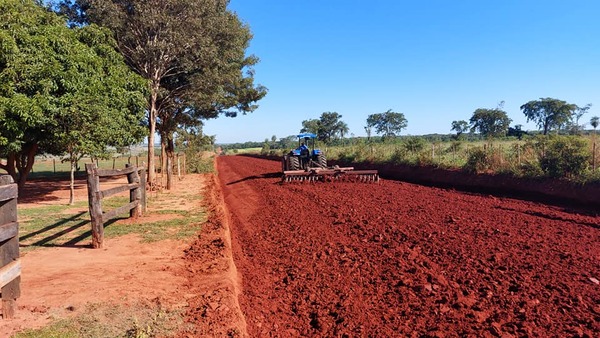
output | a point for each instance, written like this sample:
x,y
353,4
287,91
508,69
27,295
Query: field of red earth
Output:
x,y
393,259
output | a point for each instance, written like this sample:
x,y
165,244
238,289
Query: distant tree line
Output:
x,y
485,123
547,113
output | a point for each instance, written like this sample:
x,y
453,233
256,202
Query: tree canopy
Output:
x,y
61,90
548,113
191,51
490,122
310,126
388,123
328,127
460,127
594,121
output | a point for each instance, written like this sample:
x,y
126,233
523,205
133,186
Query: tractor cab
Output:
x,y
305,156
306,146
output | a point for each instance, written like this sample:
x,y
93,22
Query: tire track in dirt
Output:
x,y
396,259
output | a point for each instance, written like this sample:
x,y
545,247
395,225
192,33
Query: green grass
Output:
x,y
49,167
244,151
63,225
520,158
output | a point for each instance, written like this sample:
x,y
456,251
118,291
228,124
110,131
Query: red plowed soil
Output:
x,y
400,260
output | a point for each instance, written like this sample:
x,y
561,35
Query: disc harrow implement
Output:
x,y
346,174
308,164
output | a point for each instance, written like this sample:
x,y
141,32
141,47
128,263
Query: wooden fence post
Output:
x,y
93,186
10,267
134,194
143,176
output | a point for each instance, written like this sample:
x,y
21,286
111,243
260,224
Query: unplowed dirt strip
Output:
x,y
392,259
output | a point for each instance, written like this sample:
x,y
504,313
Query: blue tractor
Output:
x,y
305,156
306,163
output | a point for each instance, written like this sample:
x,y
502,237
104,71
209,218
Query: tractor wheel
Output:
x,y
284,162
322,160
293,163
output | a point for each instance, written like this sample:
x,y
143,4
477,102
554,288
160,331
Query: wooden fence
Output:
x,y
10,266
136,184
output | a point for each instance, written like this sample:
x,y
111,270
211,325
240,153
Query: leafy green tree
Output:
x,y
61,90
331,126
490,122
389,123
310,126
368,130
516,131
460,127
193,142
327,127
548,113
594,121
191,51
287,142
576,116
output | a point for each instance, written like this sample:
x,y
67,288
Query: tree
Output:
x,y
191,52
61,90
388,123
516,131
310,126
460,127
490,122
368,130
594,122
327,127
548,113
331,126
193,141
576,116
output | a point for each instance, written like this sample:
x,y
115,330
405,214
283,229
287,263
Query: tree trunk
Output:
x,y
152,124
163,155
170,152
25,163
10,166
72,184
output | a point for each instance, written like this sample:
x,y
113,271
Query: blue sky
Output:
x,y
434,61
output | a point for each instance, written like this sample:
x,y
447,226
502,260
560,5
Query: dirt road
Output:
x,y
400,260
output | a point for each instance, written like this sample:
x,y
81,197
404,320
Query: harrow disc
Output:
x,y
331,175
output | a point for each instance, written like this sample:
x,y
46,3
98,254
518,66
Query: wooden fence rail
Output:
x,y
10,265
136,184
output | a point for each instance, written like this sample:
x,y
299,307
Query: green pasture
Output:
x,y
573,157
69,225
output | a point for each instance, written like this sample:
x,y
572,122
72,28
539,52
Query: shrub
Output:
x,y
414,144
478,161
531,169
565,156
199,163
399,156
454,147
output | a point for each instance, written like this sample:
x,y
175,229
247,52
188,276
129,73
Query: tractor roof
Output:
x,y
307,135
